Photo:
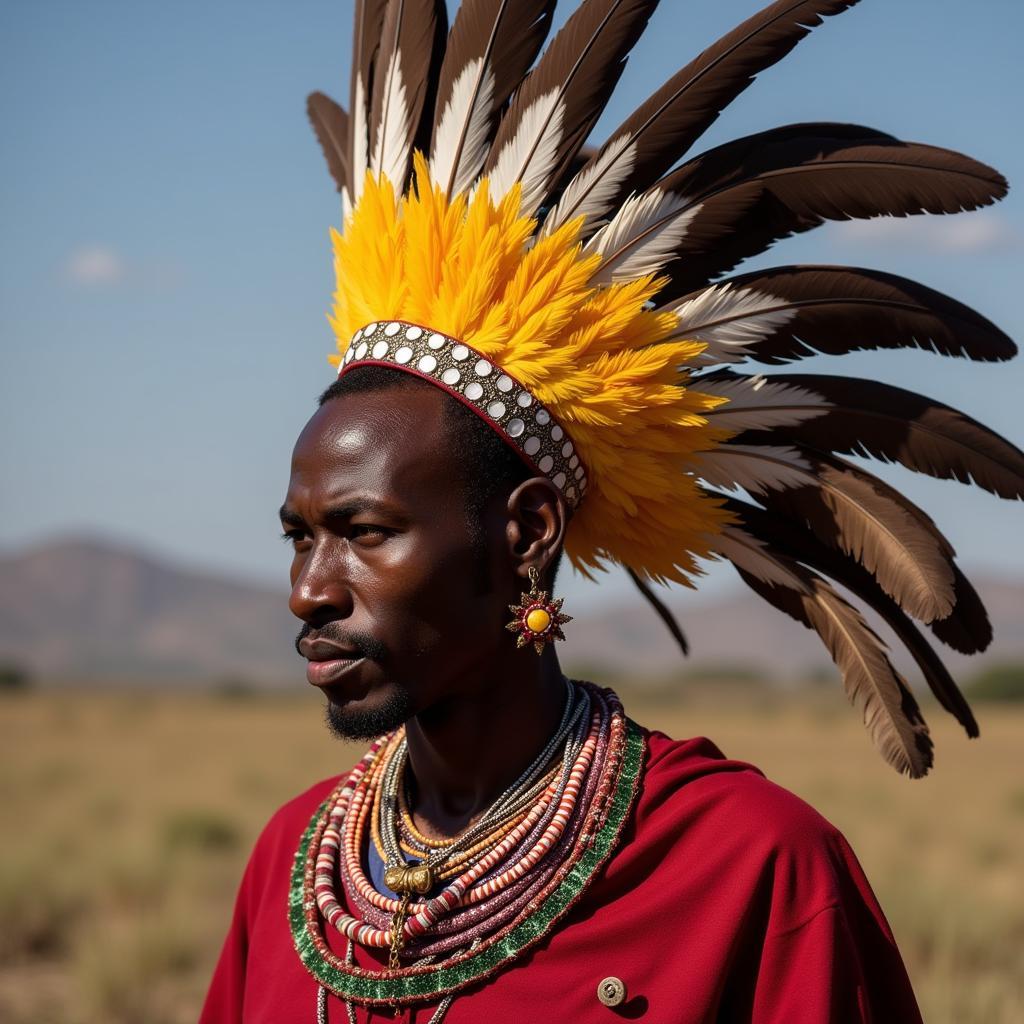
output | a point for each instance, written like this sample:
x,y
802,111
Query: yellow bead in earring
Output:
x,y
538,620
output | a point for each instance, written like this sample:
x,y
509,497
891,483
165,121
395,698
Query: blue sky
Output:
x,y
165,269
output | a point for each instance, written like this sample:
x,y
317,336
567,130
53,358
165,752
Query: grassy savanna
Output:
x,y
128,818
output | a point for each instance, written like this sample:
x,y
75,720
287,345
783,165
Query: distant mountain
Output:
x,y
89,609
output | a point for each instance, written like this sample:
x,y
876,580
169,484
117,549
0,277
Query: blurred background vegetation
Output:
x,y
130,814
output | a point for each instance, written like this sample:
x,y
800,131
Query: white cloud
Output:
x,y
981,231
95,266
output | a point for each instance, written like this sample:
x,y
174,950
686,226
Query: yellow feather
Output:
x,y
597,357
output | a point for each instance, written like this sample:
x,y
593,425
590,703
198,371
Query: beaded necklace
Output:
x,y
518,796
414,844
415,918
505,881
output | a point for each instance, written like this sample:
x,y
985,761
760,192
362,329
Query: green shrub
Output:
x,y
999,683
200,830
14,678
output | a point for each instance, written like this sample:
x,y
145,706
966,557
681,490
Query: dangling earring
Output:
x,y
537,620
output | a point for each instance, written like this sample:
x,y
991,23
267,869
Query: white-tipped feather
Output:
x,y
464,131
531,156
642,237
592,190
758,403
895,543
751,554
729,320
754,468
361,144
393,145
346,204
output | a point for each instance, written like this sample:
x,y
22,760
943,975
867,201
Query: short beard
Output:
x,y
351,724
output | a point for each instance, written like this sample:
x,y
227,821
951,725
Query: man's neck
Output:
x,y
463,755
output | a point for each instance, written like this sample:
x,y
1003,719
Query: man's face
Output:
x,y
386,575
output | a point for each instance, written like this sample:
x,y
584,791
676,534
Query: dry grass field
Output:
x,y
127,819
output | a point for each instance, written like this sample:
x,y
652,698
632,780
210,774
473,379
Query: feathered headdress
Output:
x,y
565,295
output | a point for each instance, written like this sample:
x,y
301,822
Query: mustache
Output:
x,y
366,645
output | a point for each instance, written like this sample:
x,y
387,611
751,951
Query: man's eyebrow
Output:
x,y
359,506
352,507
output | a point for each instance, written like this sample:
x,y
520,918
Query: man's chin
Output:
x,y
367,719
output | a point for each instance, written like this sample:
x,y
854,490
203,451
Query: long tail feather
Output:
x,y
851,510
366,33
552,114
794,178
786,538
787,313
663,128
868,418
889,710
412,45
490,49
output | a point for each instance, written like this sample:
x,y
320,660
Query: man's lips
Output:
x,y
321,649
327,661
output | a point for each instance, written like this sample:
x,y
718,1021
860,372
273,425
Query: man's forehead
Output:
x,y
393,440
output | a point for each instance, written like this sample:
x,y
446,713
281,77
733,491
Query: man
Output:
x,y
512,385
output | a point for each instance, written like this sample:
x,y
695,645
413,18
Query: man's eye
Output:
x,y
292,536
369,531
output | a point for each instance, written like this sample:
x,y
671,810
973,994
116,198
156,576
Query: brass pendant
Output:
x,y
538,620
410,878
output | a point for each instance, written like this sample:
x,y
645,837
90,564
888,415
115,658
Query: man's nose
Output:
x,y
321,591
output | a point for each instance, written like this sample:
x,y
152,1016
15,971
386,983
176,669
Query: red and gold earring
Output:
x,y
538,620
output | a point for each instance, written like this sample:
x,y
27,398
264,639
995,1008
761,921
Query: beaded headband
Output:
x,y
517,416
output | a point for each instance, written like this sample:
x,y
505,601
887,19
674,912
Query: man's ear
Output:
x,y
537,519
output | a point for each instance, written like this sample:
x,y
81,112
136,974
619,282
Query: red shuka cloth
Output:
x,y
728,899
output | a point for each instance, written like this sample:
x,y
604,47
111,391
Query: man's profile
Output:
x,y
535,366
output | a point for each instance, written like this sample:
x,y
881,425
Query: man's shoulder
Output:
x,y
691,783
705,824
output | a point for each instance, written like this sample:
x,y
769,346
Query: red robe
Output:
x,y
728,899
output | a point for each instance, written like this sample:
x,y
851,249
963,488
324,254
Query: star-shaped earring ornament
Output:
x,y
538,620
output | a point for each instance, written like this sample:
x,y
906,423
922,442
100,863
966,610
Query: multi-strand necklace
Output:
x,y
456,908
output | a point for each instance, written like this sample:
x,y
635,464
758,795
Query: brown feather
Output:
x,y
665,126
785,537
890,712
884,422
413,33
582,65
366,30
806,174
836,310
896,541
871,178
506,34
330,123
857,513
